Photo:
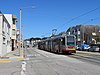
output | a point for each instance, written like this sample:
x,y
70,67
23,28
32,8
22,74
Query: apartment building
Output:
x,y
5,40
85,33
18,38
12,21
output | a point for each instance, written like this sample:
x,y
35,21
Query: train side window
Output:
x,y
63,41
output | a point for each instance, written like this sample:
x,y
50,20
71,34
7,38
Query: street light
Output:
x,y
21,40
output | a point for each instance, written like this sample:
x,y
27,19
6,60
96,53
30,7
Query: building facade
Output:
x,y
5,40
12,21
85,33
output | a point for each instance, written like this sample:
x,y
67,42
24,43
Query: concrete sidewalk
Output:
x,y
86,52
15,55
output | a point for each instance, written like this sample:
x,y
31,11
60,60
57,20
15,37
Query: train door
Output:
x,y
62,44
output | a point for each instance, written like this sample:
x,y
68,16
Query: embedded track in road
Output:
x,y
86,57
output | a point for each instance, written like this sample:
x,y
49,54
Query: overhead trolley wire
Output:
x,y
78,17
91,20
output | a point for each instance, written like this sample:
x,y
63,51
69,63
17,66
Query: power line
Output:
x,y
79,16
91,20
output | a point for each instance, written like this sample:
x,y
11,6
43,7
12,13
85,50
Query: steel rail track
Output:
x,y
89,58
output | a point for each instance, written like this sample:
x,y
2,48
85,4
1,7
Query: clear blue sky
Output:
x,y
51,14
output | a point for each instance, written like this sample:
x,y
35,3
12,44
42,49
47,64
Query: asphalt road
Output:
x,y
46,63
40,62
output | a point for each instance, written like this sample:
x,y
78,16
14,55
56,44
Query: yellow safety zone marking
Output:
x,y
20,58
5,60
9,60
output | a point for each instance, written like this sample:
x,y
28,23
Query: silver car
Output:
x,y
94,48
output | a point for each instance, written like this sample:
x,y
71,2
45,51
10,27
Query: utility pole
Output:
x,y
21,42
83,34
21,52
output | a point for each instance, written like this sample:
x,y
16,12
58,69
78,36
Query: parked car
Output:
x,y
85,47
78,47
94,48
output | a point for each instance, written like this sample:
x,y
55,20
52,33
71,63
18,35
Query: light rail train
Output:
x,y
59,44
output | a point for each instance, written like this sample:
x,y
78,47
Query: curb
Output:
x,y
94,53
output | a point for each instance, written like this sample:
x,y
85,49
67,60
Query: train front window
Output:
x,y
70,40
